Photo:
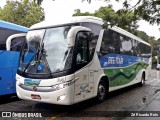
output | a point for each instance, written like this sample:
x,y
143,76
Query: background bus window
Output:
x,y
4,33
17,43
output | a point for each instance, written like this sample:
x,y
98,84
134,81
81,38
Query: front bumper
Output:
x,y
62,97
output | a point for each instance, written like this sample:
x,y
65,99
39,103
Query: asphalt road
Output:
x,y
132,98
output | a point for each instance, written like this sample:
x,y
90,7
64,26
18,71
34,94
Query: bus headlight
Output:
x,y
62,85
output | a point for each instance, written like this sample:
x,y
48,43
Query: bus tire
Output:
x,y
102,91
142,83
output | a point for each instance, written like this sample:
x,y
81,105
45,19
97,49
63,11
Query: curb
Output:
x,y
145,105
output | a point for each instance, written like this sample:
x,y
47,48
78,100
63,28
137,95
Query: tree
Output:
x,y
142,35
24,13
38,2
122,18
78,13
148,10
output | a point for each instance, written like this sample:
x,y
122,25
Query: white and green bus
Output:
x,y
77,59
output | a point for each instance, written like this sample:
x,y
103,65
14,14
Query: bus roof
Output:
x,y
12,26
75,19
78,19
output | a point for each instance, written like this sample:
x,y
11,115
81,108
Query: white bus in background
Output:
x,y
71,61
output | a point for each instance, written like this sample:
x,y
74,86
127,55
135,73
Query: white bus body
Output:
x,y
80,60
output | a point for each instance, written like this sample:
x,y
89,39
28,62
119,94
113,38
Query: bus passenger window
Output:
x,y
117,42
138,49
107,45
126,45
82,49
95,28
92,46
134,45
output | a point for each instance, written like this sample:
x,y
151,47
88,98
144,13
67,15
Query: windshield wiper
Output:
x,y
28,64
39,56
42,54
35,53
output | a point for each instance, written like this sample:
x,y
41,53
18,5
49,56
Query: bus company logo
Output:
x,y
40,67
114,61
31,82
34,88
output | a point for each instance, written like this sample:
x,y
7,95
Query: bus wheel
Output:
x,y
142,83
102,91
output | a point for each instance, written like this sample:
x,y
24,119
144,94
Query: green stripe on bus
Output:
x,y
122,76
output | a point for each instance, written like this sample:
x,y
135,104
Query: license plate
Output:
x,y
35,96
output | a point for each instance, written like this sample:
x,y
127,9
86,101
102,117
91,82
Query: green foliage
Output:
x,y
78,13
38,2
142,35
24,13
154,60
108,15
148,10
122,18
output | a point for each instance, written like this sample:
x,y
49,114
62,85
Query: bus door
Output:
x,y
9,62
82,90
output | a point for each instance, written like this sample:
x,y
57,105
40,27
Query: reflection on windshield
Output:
x,y
55,45
35,35
33,43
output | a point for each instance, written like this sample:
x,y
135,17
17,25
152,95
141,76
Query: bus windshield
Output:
x,y
47,51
